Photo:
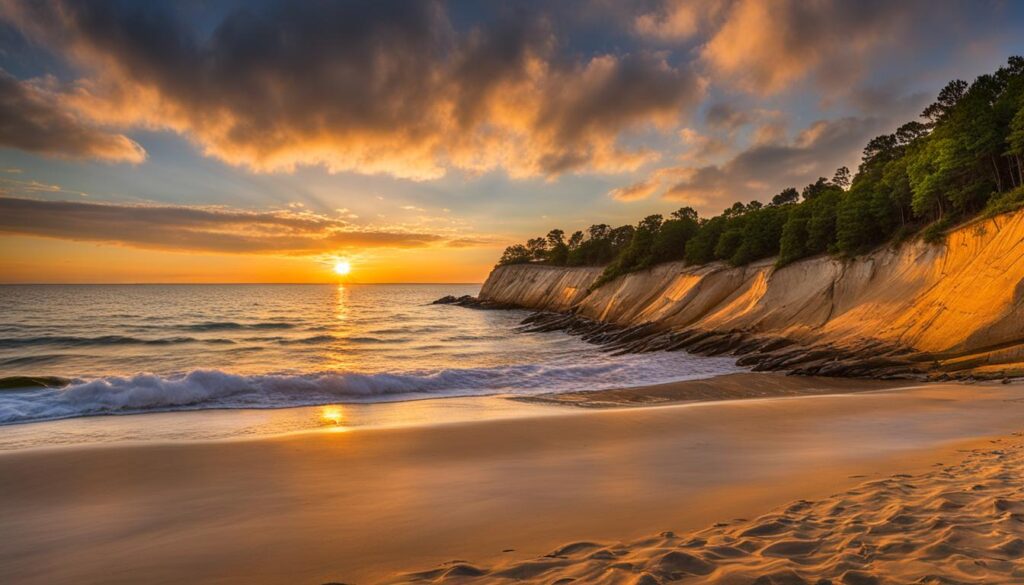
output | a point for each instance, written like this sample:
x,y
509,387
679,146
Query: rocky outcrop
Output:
x,y
471,302
954,309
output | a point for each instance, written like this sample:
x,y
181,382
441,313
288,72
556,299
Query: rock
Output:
x,y
471,302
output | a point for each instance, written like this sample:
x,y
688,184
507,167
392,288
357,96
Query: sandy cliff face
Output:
x,y
961,303
545,288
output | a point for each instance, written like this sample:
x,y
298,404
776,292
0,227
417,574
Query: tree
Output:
x,y
686,213
930,172
575,240
557,250
670,242
821,228
816,188
762,231
517,254
1015,141
841,178
735,210
786,196
856,227
910,132
793,243
538,248
700,249
948,98
729,243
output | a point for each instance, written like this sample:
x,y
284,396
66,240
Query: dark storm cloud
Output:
x,y
30,119
369,86
168,227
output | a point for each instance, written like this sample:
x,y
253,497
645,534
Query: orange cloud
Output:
x,y
209,229
364,87
677,20
33,120
765,47
636,191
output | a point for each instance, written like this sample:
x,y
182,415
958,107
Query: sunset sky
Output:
x,y
261,141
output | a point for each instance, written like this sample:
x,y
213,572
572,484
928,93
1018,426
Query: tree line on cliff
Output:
x,y
964,157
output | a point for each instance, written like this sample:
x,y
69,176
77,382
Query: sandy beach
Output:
x,y
384,505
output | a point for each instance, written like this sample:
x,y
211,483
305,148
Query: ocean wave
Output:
x,y
37,359
306,340
203,389
232,325
77,341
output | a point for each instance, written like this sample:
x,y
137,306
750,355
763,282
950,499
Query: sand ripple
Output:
x,y
960,523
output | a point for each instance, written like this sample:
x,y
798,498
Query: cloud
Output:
x,y
370,87
766,47
205,229
725,115
763,169
702,147
32,119
636,191
677,20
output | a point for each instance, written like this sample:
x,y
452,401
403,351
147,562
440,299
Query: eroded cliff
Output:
x,y
955,308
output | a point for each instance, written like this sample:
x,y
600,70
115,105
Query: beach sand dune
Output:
x,y
960,523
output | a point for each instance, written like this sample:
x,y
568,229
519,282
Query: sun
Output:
x,y
342,267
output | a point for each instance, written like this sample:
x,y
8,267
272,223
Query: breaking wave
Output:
x,y
77,341
206,389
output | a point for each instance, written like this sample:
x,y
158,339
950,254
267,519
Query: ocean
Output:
x,y
128,349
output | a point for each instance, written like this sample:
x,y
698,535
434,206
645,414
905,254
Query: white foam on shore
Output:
x,y
203,389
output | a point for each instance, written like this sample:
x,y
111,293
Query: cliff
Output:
x,y
955,308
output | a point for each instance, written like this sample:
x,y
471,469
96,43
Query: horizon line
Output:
x,y
216,283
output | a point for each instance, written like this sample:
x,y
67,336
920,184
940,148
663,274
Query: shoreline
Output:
x,y
227,423
368,506
738,386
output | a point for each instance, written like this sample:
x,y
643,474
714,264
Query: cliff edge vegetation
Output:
x,y
962,159
920,309
912,267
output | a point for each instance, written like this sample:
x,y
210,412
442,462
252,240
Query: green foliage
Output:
x,y
762,234
701,248
516,254
729,243
1010,201
793,244
966,156
671,240
936,232
856,226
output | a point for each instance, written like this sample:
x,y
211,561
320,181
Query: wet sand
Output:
x,y
727,387
373,505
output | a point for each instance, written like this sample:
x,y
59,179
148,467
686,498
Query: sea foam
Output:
x,y
203,389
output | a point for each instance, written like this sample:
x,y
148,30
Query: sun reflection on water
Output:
x,y
332,415
341,303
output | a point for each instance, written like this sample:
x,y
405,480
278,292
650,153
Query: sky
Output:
x,y
261,141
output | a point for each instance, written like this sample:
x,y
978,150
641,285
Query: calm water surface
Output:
x,y
149,348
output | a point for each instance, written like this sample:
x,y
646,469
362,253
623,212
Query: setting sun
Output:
x,y
342,267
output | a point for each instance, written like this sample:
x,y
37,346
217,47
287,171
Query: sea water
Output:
x,y
128,349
